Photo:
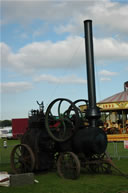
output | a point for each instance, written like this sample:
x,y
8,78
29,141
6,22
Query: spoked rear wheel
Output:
x,y
68,165
22,159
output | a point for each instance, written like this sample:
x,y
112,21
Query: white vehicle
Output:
x,y
6,132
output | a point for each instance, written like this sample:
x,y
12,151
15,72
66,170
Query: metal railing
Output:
x,y
116,150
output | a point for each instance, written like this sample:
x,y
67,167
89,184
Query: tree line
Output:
x,y
5,123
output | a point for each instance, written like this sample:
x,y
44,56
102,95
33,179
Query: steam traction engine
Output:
x,y
63,137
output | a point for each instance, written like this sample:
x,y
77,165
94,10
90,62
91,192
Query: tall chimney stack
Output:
x,y
93,112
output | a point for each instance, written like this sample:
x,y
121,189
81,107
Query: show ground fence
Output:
x,y
116,150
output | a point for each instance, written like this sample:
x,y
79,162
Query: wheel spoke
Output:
x,y
59,112
22,159
68,165
66,124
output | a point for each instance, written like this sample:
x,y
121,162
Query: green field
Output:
x,y
87,182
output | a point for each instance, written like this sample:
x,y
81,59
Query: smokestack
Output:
x,y
93,112
90,140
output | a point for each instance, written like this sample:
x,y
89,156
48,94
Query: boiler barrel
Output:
x,y
90,141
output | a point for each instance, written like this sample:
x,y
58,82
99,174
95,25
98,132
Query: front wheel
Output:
x,y
68,165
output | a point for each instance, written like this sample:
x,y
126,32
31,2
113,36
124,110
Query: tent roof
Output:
x,y
119,97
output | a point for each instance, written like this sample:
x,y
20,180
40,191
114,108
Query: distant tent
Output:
x,y
117,107
114,111
118,101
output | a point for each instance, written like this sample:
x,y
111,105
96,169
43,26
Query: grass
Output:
x,y
117,149
87,182
5,152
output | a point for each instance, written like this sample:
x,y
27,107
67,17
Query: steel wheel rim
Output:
x,y
63,121
68,165
22,159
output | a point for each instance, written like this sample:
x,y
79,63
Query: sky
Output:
x,y
42,51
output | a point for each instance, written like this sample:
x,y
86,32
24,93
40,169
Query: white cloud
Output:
x,y
104,15
5,51
68,53
15,87
105,79
107,73
40,55
111,49
73,79
24,12
110,16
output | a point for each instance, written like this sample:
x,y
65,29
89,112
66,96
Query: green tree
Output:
x,y
5,123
